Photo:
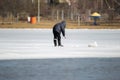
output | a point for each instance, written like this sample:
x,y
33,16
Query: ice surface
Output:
x,y
38,43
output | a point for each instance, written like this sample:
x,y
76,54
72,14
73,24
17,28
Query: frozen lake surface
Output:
x,y
61,69
29,54
38,44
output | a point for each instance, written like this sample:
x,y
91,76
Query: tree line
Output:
x,y
55,9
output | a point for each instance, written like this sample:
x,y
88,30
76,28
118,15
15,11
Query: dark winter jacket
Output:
x,y
60,27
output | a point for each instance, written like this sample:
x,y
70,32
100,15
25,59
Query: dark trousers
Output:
x,y
57,38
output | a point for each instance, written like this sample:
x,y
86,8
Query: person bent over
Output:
x,y
57,30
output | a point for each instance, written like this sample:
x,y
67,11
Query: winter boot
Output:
x,y
55,42
59,43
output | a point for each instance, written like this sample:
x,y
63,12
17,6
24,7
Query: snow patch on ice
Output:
x,y
93,44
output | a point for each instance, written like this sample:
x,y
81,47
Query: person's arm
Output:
x,y
63,31
63,25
